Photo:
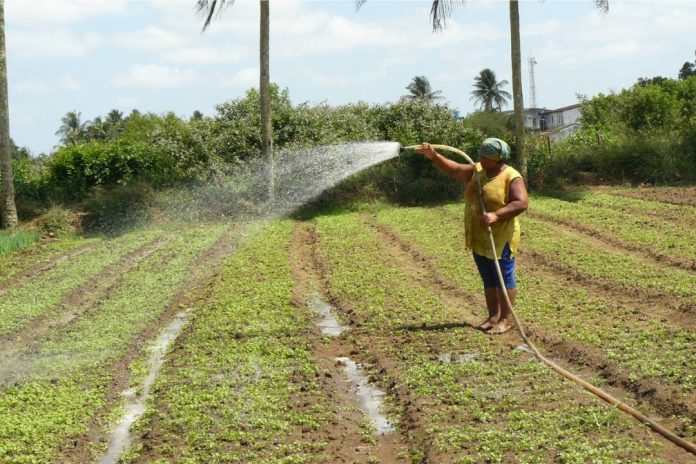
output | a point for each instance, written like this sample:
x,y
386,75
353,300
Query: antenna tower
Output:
x,y
532,85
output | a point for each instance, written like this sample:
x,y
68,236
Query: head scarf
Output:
x,y
494,149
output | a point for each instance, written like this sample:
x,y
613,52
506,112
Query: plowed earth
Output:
x,y
251,378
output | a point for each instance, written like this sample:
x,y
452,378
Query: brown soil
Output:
x,y
345,439
682,196
41,267
608,241
650,395
203,271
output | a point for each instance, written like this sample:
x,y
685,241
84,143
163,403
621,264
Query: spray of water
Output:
x,y
300,176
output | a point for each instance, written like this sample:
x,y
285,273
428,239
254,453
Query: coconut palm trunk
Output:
x,y
265,96
518,101
9,210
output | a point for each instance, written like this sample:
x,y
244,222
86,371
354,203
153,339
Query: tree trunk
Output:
x,y
517,85
265,95
8,209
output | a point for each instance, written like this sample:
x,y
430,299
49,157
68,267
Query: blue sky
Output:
x,y
95,55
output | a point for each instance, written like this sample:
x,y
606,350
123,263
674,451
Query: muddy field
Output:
x,y
350,337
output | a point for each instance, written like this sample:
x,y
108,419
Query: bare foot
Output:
x,y
500,327
490,322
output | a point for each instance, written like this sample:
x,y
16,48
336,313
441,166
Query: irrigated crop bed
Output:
x,y
606,288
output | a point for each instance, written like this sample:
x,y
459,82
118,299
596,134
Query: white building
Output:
x,y
559,123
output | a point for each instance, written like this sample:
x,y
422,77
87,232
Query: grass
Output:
x,y
16,240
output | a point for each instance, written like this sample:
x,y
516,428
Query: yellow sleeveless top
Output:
x,y
496,194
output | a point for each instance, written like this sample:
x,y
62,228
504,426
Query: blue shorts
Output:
x,y
486,268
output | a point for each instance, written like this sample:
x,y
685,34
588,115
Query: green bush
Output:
x,y
643,134
119,209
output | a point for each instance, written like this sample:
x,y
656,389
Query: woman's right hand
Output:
x,y
427,151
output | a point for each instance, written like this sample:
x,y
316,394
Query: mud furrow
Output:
x,y
203,269
39,268
612,243
75,303
665,400
414,433
346,441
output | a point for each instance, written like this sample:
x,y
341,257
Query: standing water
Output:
x,y
135,403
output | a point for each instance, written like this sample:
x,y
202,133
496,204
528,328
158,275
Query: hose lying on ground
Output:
x,y
586,385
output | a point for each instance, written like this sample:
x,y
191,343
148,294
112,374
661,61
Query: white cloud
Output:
x,y
69,83
205,55
56,43
631,30
39,13
243,78
152,75
150,39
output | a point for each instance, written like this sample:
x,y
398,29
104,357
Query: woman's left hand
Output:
x,y
488,219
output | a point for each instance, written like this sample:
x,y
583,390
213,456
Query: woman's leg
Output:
x,y
493,308
504,322
507,267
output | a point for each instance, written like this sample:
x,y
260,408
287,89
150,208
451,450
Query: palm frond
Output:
x,y
602,5
359,4
441,10
209,8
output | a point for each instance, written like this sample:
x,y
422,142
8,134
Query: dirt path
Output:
x,y
604,240
346,438
202,271
653,397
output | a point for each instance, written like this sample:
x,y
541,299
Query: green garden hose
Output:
x,y
588,386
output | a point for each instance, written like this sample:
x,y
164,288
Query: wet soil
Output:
x,y
346,441
201,276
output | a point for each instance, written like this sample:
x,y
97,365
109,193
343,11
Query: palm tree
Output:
x,y
8,209
489,92
72,129
441,10
420,89
209,8
113,124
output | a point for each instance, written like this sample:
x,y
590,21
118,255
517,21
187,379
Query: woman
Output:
x,y
505,198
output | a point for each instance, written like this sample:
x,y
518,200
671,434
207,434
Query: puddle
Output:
x,y
329,325
524,348
371,399
136,402
456,358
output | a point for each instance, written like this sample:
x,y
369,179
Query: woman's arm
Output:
x,y
519,201
453,169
